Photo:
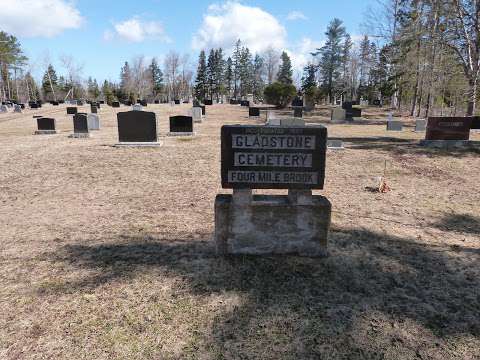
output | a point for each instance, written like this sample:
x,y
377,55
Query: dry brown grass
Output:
x,y
106,253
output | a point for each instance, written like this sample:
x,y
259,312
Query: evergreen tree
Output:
x,y
309,79
156,77
245,71
108,92
331,57
258,72
219,73
49,83
211,74
126,82
228,77
285,71
201,79
237,59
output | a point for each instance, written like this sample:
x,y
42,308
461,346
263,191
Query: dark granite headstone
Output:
x,y
298,112
39,103
233,102
93,109
80,123
297,102
22,106
245,103
61,101
353,112
186,102
143,103
102,102
137,126
80,102
177,102
263,157
55,103
183,124
208,102
45,124
448,128
71,110
253,111
157,101
377,103
33,105
115,104
476,123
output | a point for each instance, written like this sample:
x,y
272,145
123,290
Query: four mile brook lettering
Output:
x,y
263,157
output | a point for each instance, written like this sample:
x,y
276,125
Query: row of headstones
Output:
x,y
133,126
17,108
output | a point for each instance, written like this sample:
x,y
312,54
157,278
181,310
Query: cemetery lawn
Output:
x,y
107,253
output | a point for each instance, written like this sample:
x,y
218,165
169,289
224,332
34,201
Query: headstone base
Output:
x,y
450,144
79,136
181,134
272,224
139,144
197,121
335,145
45,132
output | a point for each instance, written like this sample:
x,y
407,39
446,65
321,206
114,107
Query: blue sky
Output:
x,y
102,35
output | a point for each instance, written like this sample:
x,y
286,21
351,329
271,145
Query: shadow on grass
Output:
x,y
459,223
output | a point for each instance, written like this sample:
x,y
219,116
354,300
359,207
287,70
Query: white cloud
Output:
x,y
224,24
38,18
137,30
296,15
301,53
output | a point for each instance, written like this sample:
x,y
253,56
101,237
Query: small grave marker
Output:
x,y
137,128
253,111
72,110
80,126
181,125
45,126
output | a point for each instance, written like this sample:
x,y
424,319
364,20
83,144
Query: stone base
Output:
x,y
335,145
181,134
449,144
272,224
79,136
197,121
45,132
139,144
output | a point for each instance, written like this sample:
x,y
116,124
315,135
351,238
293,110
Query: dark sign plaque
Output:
x,y
183,124
137,126
448,128
264,157
45,124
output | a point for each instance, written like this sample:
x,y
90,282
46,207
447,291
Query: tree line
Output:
x,y
421,57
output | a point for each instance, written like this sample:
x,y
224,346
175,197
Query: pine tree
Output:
x,y
201,79
285,71
219,73
309,79
237,59
258,72
211,74
331,57
156,77
107,92
229,76
245,71
126,81
49,83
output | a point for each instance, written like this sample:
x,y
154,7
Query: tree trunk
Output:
x,y
472,97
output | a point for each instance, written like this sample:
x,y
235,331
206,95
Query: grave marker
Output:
x,y
181,125
72,110
197,114
449,128
93,122
115,104
137,107
253,111
137,127
80,126
45,126
3,109
394,125
17,109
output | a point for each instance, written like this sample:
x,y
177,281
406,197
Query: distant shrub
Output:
x,y
280,94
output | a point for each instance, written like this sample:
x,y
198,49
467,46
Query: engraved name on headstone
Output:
x,y
181,124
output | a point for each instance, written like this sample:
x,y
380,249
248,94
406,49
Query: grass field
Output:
x,y
107,253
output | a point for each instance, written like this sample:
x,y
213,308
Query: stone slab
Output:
x,y
139,144
394,125
335,144
272,225
45,132
450,144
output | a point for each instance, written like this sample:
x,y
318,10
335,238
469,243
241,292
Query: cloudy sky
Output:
x,y
102,34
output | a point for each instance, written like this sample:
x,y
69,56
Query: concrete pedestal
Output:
x,y
296,224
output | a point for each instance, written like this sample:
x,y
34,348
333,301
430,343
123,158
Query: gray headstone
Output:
x,y
420,125
197,114
93,122
339,114
17,109
137,107
3,108
394,125
335,144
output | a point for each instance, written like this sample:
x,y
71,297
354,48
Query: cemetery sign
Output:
x,y
263,157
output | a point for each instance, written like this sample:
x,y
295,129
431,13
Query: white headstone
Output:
x,y
137,107
197,114
93,122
